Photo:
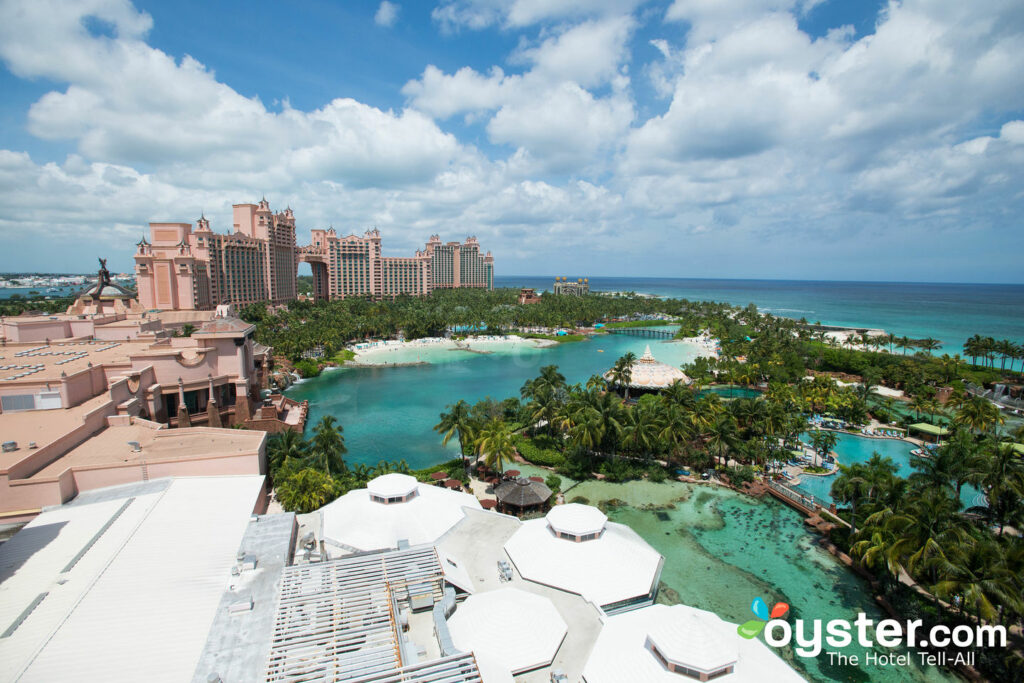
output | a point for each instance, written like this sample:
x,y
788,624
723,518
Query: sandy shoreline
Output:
x,y
422,351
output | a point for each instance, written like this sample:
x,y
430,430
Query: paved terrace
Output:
x,y
478,543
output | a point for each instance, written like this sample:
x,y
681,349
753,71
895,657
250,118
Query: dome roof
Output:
x,y
646,372
107,291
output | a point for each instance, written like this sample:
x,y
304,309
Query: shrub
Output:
x,y
533,450
305,490
307,368
554,482
741,475
582,500
657,474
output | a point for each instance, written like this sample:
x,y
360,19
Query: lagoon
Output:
x,y
388,412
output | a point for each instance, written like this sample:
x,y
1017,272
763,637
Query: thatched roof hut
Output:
x,y
518,495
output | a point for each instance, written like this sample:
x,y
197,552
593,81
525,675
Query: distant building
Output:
x,y
527,295
581,287
181,269
354,266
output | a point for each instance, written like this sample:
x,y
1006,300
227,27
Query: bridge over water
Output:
x,y
649,332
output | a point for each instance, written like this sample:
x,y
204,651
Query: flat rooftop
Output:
x,y
41,362
110,446
41,426
124,582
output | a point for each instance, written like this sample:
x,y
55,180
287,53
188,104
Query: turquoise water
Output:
x,y
388,412
723,549
948,312
852,449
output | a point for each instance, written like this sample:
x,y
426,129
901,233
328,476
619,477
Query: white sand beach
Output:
x,y
439,350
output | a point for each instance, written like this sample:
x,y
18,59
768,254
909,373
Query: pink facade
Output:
x,y
179,268
353,266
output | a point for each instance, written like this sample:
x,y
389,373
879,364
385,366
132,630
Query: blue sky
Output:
x,y
816,139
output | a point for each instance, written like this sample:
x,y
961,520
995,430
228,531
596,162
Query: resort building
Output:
x,y
182,269
177,579
179,268
527,295
124,583
87,399
394,510
647,374
581,287
354,266
454,265
575,548
662,644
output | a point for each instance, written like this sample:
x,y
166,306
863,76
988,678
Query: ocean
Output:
x,y
950,313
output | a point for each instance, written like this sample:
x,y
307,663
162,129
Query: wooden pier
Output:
x,y
649,332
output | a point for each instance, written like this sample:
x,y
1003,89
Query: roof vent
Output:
x,y
135,446
32,444
9,446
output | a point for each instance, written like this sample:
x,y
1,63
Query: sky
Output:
x,y
793,139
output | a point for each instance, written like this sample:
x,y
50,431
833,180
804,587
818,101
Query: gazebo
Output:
x,y
649,374
517,496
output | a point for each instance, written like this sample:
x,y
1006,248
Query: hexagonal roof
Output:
x,y
576,519
392,485
520,630
701,642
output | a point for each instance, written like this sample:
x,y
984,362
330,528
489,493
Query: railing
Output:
x,y
643,332
803,501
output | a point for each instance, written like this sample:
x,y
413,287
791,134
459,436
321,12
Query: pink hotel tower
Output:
x,y
182,269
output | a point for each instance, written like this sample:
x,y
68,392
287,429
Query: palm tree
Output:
x,y
823,441
851,486
640,427
891,339
928,344
306,490
622,372
494,442
328,446
456,422
283,446
979,414
723,436
982,576
1001,477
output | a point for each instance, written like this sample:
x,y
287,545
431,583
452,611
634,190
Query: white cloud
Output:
x,y
452,15
387,13
770,149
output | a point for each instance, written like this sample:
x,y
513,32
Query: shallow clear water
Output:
x,y
723,549
388,412
852,449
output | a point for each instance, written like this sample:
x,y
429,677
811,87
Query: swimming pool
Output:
x,y
853,449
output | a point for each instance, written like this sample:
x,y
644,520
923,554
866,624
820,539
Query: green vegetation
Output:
x,y
307,368
967,562
342,356
309,473
304,325
640,323
561,339
17,304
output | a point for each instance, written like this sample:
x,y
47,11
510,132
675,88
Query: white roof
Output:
x,y
576,519
619,565
393,484
647,372
130,582
355,522
696,640
620,653
521,631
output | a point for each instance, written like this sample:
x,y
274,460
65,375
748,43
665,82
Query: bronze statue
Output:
x,y
104,275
